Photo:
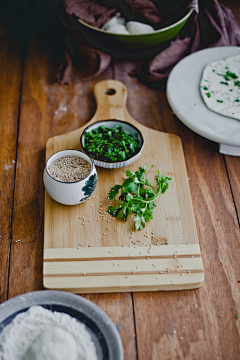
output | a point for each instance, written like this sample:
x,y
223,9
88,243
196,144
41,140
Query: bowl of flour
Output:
x,y
56,325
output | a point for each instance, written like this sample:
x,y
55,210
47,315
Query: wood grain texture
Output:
x,y
11,71
64,227
43,112
118,307
205,335
108,269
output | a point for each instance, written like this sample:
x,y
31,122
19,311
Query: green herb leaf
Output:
x,y
111,144
137,196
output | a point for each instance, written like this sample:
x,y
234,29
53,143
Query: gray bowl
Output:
x,y
101,328
128,128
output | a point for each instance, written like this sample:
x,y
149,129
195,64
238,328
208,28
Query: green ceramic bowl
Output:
x,y
124,46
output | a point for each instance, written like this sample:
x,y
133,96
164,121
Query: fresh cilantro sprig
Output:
x,y
137,196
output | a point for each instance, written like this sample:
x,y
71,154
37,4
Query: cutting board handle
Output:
x,y
111,97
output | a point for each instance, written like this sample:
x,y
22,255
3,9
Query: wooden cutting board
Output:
x,y
83,256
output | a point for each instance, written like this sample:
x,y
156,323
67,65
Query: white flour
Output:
x,y
16,338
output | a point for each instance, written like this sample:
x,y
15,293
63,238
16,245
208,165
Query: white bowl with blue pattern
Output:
x,y
128,128
70,193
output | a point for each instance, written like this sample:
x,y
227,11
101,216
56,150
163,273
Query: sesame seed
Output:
x,y
91,205
187,243
181,337
191,256
122,245
188,271
82,223
80,217
84,273
89,220
147,258
220,316
174,331
108,221
181,274
186,319
119,224
183,327
156,278
167,270
104,233
98,220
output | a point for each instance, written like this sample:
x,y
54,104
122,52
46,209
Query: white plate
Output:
x,y
101,328
186,102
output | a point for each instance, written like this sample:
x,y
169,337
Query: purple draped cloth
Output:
x,y
211,24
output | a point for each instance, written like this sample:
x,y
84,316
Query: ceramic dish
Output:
x,y
186,102
101,328
127,45
70,193
128,128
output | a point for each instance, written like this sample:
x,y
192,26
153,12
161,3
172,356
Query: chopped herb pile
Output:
x,y
111,144
137,196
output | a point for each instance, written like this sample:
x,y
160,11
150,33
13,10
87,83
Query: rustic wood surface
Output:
x,y
191,324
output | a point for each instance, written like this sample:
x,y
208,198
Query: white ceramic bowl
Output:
x,y
70,193
128,128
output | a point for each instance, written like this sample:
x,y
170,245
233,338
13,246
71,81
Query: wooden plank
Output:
x,y
187,324
120,253
43,112
110,269
233,168
118,306
64,226
11,72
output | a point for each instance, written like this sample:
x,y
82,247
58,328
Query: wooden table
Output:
x,y
192,324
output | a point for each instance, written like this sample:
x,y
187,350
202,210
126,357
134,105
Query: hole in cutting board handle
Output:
x,y
110,91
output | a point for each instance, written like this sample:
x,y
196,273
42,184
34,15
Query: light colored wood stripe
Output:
x,y
117,252
126,266
116,283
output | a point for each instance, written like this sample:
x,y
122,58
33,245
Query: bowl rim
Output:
x,y
122,122
70,182
185,17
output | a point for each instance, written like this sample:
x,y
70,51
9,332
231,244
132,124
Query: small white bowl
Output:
x,y
111,123
70,193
